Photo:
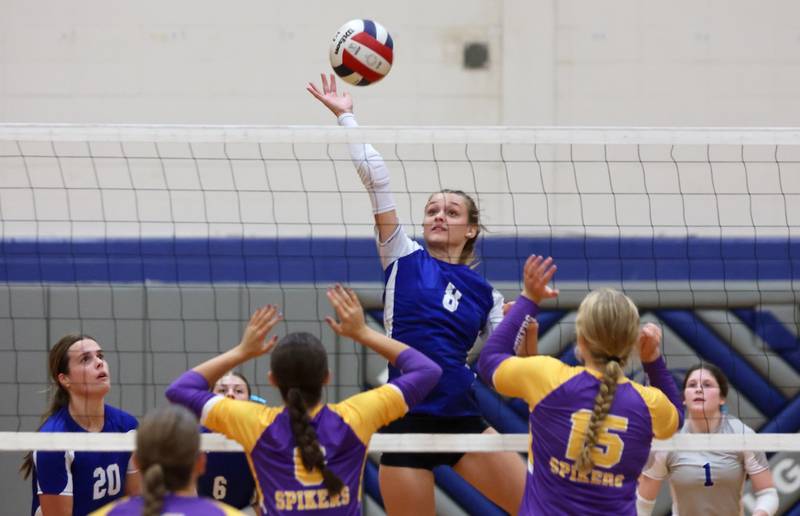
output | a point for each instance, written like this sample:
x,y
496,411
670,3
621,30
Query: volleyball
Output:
x,y
361,52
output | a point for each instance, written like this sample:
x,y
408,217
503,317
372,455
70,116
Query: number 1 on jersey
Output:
x,y
707,467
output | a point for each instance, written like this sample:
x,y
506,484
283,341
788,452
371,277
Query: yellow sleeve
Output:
x,y
242,421
227,510
531,378
663,413
366,412
104,510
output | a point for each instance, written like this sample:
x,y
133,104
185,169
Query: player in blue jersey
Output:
x,y
168,455
438,304
709,483
227,477
307,455
75,483
590,427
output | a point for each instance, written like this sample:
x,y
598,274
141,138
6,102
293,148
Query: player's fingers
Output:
x,y
333,84
336,327
271,343
324,83
353,297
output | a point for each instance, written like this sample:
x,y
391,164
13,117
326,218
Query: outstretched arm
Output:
x,y
656,368
191,388
510,334
368,162
420,373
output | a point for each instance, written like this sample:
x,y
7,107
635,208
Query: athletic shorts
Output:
x,y
426,424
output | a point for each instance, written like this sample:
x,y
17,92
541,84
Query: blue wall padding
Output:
x,y
709,347
469,498
568,355
774,333
787,421
794,511
497,412
371,485
305,259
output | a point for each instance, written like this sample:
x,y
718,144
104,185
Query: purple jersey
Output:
x,y
343,431
173,505
560,399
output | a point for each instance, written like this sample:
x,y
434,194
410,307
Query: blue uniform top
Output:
x,y
440,309
228,479
93,479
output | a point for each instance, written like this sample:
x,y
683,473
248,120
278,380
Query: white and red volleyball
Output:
x,y
362,52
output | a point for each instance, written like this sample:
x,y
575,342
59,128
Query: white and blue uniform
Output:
x,y
707,482
440,309
227,479
92,479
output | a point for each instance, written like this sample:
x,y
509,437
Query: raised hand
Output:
x,y
261,322
649,343
537,273
332,100
349,311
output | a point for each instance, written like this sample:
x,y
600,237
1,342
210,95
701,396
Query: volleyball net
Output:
x,y
160,241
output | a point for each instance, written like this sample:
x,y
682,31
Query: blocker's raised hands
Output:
x,y
537,273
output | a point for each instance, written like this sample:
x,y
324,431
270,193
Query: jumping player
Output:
x,y
439,305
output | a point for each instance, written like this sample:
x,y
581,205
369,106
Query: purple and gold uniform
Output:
x,y
561,399
173,505
343,432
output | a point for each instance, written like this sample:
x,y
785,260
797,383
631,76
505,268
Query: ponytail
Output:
x,y
58,363
306,438
153,490
602,404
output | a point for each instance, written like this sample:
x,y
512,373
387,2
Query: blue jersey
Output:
x,y
93,479
440,309
228,478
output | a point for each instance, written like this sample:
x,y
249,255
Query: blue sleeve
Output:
x,y
661,378
420,376
500,345
53,472
191,391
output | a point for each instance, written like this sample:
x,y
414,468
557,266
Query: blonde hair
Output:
x,y
167,446
608,325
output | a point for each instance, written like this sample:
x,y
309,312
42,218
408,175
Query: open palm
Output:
x,y
337,103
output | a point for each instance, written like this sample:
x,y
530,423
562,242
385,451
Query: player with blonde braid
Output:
x,y
590,427
608,326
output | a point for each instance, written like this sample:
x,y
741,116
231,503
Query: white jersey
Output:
x,y
708,483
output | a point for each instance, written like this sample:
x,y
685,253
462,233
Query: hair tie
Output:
x,y
613,358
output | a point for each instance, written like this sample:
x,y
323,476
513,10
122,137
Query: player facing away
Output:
x,y
227,476
168,455
590,427
307,455
76,483
704,482
435,302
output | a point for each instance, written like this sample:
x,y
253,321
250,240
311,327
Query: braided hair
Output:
x,y
300,367
608,325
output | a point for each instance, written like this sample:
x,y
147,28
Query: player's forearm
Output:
x,y
371,169
420,376
501,343
661,378
213,369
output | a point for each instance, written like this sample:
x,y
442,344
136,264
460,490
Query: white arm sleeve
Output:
x,y
371,169
644,507
767,500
